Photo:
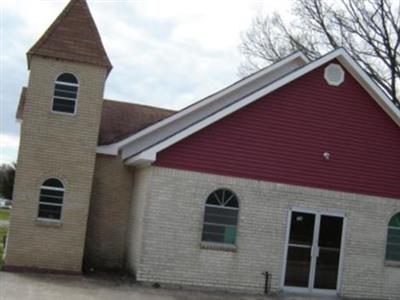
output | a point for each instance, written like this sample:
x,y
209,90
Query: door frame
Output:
x,y
311,289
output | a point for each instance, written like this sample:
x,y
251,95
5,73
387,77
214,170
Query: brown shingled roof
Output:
x,y
121,119
118,119
73,36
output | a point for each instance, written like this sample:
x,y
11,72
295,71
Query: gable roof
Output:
x,y
72,36
121,119
208,105
118,119
148,154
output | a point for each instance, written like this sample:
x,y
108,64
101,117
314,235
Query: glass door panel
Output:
x,y
329,245
301,238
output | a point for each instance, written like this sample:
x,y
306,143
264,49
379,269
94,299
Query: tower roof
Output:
x,y
73,36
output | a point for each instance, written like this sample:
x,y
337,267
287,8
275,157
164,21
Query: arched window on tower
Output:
x,y
51,199
65,94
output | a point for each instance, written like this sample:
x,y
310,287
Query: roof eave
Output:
x,y
29,55
348,62
369,85
237,85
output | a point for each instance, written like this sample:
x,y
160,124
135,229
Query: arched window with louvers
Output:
x,y
221,217
393,239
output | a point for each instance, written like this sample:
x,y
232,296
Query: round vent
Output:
x,y
334,74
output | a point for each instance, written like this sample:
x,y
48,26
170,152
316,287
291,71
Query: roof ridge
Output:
x,y
46,34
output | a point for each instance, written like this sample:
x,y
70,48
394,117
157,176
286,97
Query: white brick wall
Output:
x,y
136,218
172,225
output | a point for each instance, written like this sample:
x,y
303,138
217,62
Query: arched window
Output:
x,y
65,94
221,217
393,239
51,199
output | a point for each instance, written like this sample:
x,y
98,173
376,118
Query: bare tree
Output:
x,y
368,29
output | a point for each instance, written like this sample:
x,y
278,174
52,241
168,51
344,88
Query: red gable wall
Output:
x,y
282,138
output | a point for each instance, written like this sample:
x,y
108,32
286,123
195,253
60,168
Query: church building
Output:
x,y
285,181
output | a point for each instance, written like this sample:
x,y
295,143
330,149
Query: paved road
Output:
x,y
17,286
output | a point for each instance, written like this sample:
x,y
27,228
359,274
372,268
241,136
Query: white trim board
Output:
x,y
149,154
301,59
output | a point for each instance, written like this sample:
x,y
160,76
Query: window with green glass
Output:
x,y
221,217
393,239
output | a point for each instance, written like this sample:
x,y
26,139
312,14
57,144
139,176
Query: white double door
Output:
x,y
313,252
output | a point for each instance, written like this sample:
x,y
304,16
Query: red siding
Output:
x,y
282,137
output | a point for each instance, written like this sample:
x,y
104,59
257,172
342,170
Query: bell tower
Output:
x,y
60,112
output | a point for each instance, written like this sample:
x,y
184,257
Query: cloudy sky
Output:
x,y
165,53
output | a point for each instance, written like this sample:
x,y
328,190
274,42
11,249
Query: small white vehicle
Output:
x,y
5,203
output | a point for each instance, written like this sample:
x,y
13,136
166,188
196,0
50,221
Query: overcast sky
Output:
x,y
165,53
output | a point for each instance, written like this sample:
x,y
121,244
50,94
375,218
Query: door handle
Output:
x,y
316,251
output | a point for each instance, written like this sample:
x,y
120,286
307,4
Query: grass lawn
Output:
x,y
4,215
3,232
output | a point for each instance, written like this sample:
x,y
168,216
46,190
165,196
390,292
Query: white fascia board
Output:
x,y
144,158
207,100
111,149
370,86
302,56
340,54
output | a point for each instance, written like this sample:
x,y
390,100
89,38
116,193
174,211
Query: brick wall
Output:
x,y
57,145
136,217
171,250
109,211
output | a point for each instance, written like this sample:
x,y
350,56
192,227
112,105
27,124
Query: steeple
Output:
x,y
73,36
61,108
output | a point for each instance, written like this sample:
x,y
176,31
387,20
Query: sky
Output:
x,y
166,53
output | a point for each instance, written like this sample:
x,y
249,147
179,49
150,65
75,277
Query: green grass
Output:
x,y
4,214
3,232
